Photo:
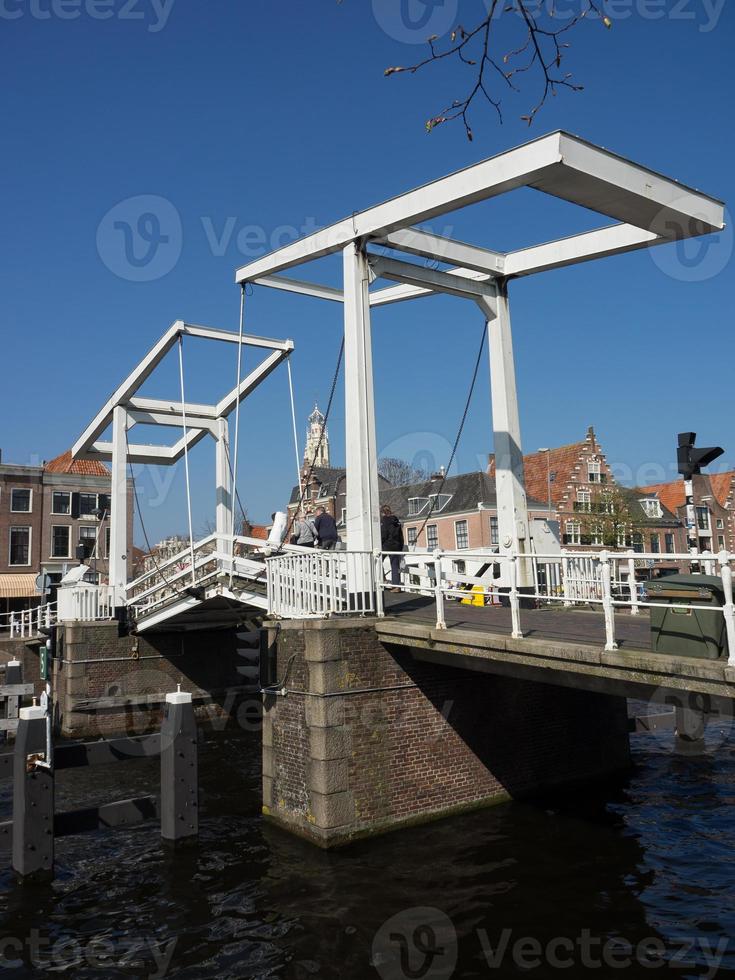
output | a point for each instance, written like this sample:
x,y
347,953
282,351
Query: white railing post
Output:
x,y
565,578
632,584
728,610
441,623
515,605
607,601
709,562
379,583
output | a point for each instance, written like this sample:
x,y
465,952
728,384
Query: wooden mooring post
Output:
x,y
35,825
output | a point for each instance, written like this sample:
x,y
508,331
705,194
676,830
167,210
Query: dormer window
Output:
x,y
416,505
439,501
652,507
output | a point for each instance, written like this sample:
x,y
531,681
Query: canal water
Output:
x,y
634,879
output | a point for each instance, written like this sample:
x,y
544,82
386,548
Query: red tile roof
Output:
x,y
537,469
672,494
722,484
79,467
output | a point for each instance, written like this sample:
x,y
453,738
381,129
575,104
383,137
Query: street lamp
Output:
x,y
548,477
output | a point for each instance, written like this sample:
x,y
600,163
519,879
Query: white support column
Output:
x,y
513,528
118,559
224,521
363,521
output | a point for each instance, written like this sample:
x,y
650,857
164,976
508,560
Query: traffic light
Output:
x,y
692,460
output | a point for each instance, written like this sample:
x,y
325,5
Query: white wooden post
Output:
x,y
224,511
607,601
118,559
632,584
363,523
565,579
513,529
729,609
515,606
441,623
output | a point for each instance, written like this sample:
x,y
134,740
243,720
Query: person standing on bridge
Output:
x,y
326,529
391,539
305,531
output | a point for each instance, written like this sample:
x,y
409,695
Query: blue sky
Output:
x,y
256,120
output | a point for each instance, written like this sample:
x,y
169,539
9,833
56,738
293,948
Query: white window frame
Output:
x,y
597,535
89,527
68,528
410,530
657,537
669,536
413,509
594,471
20,527
494,530
651,507
61,513
467,534
441,501
584,496
575,535
720,524
708,526
29,491
620,539
435,529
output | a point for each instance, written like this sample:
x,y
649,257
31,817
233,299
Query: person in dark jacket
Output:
x,y
391,539
326,530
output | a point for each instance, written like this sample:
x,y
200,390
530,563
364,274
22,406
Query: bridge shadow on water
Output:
x,y
646,857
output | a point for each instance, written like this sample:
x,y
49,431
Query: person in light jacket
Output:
x,y
391,539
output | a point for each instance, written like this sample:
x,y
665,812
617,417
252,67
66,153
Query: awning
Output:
x,y
18,586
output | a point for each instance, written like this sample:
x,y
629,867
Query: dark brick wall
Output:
x,y
367,739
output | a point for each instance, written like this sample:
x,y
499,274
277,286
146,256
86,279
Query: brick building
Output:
x,y
46,513
714,500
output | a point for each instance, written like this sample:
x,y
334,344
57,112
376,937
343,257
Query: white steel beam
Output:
x,y
118,557
164,418
431,279
156,455
559,164
130,385
232,337
299,286
418,242
361,457
252,381
224,520
402,292
174,409
579,248
513,528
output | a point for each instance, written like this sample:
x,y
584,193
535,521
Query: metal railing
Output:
x,y
323,583
26,623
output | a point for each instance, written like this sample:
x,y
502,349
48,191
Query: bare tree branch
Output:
x,y
543,39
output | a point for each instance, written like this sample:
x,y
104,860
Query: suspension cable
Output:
x,y
293,420
237,425
435,496
186,456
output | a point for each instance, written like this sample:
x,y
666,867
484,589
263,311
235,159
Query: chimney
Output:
x,y
439,475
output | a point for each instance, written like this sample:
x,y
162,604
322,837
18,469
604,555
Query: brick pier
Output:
x,y
367,739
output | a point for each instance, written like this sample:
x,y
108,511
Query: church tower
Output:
x,y
316,453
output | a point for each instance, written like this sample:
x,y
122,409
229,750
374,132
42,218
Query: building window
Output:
x,y
594,472
721,542
669,543
60,502
432,537
107,541
651,507
494,531
439,501
20,546
411,536
637,541
87,538
720,524
573,533
584,500
703,518
620,539
461,535
416,505
655,544
21,500
87,504
60,541
459,567
596,537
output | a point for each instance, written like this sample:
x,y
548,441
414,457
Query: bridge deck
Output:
x,y
559,646
549,622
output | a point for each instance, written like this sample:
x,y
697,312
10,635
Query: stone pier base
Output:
x,y
366,740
